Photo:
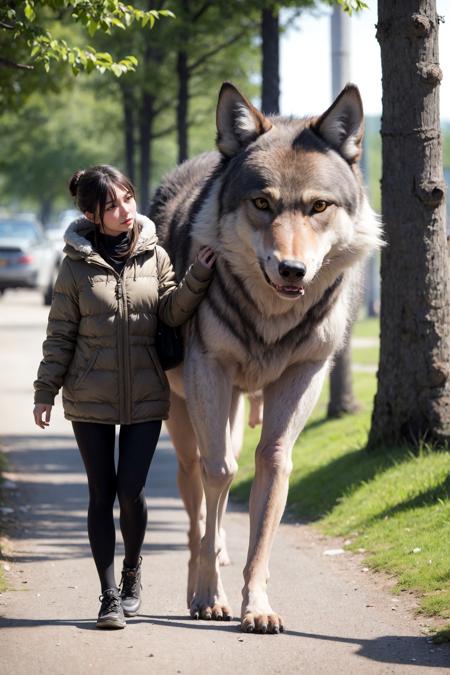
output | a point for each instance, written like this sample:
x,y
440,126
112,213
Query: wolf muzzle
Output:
x,y
292,270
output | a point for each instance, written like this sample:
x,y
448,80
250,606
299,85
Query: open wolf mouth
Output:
x,y
285,290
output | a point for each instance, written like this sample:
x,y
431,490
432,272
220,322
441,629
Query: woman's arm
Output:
x,y
59,345
178,303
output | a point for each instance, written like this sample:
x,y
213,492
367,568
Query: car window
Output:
x,y
19,229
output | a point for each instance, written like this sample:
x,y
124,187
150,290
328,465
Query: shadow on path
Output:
x,y
50,498
393,649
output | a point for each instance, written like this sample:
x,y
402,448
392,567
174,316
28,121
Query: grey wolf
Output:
x,y
282,202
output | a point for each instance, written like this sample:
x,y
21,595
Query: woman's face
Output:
x,y
120,212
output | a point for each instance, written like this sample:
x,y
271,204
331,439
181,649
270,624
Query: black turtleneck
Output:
x,y
113,247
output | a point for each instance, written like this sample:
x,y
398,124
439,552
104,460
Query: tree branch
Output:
x,y
201,10
164,104
6,25
164,132
5,63
215,51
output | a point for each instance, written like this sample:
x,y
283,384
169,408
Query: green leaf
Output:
x,y
117,69
128,18
29,12
117,23
104,57
92,28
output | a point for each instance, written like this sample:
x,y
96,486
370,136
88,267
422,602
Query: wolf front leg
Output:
x,y
209,396
287,405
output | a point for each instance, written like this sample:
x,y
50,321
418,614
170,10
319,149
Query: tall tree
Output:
x,y
204,30
413,398
342,399
54,135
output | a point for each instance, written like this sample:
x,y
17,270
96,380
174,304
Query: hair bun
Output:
x,y
73,185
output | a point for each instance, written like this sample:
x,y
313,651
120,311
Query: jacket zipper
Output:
x,y
125,406
124,360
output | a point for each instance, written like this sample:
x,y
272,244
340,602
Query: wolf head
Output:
x,y
292,201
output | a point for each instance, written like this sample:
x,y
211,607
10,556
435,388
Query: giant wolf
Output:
x,y
283,204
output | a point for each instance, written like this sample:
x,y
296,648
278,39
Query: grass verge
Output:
x,y
393,503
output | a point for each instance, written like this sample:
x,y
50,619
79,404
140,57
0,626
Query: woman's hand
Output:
x,y
39,410
207,257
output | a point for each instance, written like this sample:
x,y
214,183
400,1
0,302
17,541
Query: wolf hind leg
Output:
x,y
189,482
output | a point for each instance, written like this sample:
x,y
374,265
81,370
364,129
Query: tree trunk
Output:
x,y
128,121
413,397
145,137
342,399
182,105
46,208
270,61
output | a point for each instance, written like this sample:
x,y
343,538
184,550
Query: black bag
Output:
x,y
168,341
169,345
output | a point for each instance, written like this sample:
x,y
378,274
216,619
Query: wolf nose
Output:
x,y
292,270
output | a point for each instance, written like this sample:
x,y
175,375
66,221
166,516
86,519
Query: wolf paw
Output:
x,y
215,612
262,623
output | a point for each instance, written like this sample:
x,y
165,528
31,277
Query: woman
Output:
x,y
113,284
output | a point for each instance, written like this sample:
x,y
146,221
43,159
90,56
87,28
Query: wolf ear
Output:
x,y
342,125
239,123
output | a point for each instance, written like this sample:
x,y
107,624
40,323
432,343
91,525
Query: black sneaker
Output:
x,y
130,589
111,612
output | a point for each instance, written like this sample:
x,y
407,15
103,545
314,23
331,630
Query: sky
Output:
x,y
306,62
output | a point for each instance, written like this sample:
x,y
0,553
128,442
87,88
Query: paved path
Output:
x,y
340,618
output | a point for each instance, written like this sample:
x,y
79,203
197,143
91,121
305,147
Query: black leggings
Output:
x,y
137,443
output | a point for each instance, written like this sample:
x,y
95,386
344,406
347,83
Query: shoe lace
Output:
x,y
129,583
110,602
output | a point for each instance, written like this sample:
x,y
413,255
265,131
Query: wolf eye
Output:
x,y
319,206
261,203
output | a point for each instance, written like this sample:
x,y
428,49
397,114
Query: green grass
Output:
x,y
369,327
366,356
392,503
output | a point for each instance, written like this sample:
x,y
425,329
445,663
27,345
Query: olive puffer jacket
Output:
x,y
101,328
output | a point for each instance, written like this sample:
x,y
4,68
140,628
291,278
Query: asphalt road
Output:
x,y
340,618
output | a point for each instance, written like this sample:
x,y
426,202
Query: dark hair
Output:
x,y
91,188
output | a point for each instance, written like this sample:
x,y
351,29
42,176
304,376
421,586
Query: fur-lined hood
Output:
x,y
78,245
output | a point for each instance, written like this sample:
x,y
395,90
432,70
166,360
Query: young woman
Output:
x,y
114,283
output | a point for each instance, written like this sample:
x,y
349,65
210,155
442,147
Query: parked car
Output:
x,y
28,259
